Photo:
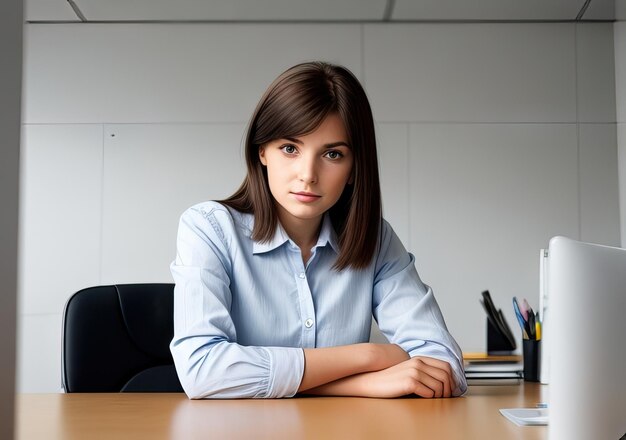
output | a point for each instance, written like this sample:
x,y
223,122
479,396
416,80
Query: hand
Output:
x,y
423,376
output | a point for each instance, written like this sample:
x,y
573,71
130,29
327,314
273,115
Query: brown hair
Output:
x,y
296,104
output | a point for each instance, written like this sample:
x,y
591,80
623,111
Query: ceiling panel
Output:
x,y
620,9
319,10
48,10
232,10
486,9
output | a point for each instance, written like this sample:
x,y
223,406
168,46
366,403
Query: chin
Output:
x,y
306,213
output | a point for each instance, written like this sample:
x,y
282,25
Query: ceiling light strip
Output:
x,y
77,11
389,10
583,10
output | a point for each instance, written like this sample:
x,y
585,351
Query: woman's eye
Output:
x,y
289,149
334,155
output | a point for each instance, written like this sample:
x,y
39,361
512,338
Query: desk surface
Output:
x,y
154,416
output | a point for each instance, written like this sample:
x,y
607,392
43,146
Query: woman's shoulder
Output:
x,y
389,240
219,216
386,230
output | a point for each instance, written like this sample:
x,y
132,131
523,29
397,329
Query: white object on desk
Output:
x,y
587,288
495,367
526,416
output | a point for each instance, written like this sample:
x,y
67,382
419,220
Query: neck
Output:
x,y
303,232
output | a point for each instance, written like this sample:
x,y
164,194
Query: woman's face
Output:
x,y
307,174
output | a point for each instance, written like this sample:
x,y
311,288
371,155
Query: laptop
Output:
x,y
587,291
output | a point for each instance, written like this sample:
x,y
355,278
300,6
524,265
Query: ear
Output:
x,y
262,155
351,179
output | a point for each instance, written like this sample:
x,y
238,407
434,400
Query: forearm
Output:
x,y
355,385
325,365
422,376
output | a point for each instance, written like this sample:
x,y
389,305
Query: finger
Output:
x,y
436,363
442,376
422,377
444,366
423,391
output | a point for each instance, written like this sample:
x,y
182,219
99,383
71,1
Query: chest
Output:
x,y
277,300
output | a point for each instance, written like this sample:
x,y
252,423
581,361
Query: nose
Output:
x,y
307,171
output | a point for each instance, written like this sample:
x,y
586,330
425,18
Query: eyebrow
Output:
x,y
331,145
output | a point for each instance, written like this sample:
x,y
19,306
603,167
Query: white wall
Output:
x,y
492,139
11,17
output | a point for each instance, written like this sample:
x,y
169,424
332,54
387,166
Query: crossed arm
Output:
x,y
374,370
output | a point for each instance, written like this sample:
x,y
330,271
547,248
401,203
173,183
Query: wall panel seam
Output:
x,y
578,165
101,238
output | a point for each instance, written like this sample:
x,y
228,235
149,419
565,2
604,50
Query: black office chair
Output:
x,y
116,339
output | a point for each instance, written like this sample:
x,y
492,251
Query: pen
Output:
x,y
531,324
523,307
537,326
520,318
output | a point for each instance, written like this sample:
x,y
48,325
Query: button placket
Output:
x,y
307,308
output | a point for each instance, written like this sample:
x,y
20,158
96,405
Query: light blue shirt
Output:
x,y
244,310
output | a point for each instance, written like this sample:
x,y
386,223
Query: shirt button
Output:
x,y
308,323
302,276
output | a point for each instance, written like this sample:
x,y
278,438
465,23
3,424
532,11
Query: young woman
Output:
x,y
276,285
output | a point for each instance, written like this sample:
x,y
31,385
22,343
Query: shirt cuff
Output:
x,y
286,371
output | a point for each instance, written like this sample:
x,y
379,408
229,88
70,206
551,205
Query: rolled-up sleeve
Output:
x,y
209,361
407,312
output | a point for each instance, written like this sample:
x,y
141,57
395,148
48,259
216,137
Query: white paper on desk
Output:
x,y
496,375
471,381
526,416
492,368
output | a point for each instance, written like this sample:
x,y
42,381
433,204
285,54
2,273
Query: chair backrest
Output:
x,y
116,338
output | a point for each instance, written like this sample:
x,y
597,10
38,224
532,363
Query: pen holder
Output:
x,y
532,350
497,343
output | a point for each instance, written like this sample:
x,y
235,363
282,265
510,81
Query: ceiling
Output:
x,y
317,10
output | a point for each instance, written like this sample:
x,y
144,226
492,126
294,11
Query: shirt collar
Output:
x,y
327,236
280,237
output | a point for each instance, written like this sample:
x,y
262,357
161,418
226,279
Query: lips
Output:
x,y
306,197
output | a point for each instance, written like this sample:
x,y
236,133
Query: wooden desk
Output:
x,y
154,416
